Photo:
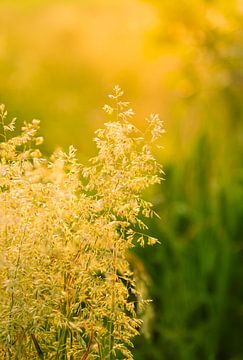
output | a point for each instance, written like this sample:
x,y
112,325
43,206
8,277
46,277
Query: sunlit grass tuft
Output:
x,y
65,231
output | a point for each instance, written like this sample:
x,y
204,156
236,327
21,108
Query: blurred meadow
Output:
x,y
183,60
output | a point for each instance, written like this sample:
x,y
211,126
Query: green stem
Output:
x,y
113,305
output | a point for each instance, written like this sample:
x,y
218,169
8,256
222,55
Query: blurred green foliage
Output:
x,y
198,271
184,60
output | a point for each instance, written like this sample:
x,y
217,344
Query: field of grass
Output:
x,y
183,60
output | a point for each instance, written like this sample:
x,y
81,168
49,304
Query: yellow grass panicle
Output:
x,y
66,288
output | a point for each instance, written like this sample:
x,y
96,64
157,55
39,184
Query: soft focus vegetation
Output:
x,y
184,60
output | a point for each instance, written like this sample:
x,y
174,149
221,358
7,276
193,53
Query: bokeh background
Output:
x,y
181,59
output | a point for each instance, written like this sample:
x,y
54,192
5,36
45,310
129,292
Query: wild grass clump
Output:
x,y
66,287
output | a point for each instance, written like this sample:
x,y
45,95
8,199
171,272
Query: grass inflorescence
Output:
x,y
65,232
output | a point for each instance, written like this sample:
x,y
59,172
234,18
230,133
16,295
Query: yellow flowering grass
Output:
x,y
66,288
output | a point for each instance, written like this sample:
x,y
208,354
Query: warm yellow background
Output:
x,y
181,59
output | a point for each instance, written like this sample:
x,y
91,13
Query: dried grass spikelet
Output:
x,y
65,231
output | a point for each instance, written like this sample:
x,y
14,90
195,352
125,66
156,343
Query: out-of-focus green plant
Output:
x,y
196,274
66,288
